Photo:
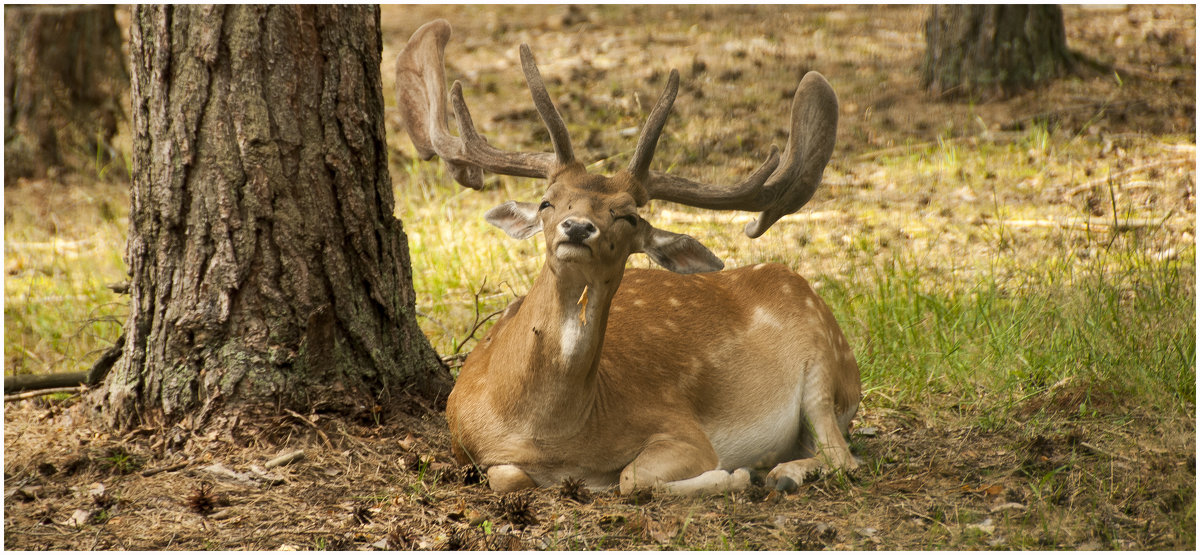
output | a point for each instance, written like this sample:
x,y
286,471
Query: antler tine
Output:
x,y
524,164
778,187
639,166
545,107
421,98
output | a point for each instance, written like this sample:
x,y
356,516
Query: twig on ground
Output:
x,y
41,392
286,458
169,468
1105,453
1101,181
1081,225
312,425
30,382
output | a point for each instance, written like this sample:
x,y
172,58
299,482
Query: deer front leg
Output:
x,y
504,478
831,452
680,466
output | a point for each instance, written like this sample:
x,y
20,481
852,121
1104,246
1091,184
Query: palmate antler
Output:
x,y
421,97
780,186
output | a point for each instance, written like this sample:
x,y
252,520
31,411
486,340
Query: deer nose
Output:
x,y
577,231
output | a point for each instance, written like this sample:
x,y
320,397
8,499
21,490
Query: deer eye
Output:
x,y
631,218
545,204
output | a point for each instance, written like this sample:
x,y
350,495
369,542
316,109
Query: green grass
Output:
x,y
63,246
1127,333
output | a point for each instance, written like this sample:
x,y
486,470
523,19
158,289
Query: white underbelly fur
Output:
x,y
769,437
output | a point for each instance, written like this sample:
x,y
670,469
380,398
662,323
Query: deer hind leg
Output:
x,y
829,450
681,466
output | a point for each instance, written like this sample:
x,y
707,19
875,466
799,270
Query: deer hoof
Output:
x,y
786,485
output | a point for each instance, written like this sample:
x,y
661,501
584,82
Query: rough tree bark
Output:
x,y
267,268
63,81
990,50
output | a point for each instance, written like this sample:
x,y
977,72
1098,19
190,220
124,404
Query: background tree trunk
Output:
x,y
64,77
267,268
985,50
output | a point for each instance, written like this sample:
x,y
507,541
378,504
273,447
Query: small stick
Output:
x,y
40,392
1097,182
458,346
286,458
1080,225
310,424
1105,452
168,468
32,382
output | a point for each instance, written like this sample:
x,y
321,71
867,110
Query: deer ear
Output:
x,y
679,253
518,219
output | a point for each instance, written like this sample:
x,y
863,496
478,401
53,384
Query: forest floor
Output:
x,y
1017,277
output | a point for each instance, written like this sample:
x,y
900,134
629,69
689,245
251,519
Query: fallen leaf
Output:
x,y
583,300
78,518
408,442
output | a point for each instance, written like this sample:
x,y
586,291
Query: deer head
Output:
x,y
780,185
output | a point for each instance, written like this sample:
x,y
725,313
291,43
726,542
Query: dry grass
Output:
x,y
1071,482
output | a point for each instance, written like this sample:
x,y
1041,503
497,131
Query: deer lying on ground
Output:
x,y
685,380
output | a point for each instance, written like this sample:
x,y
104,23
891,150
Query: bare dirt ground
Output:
x,y
1063,471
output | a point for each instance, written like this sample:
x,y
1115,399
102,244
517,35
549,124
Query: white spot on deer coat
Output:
x,y
765,317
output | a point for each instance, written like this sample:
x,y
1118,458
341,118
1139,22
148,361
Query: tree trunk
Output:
x,y
63,81
989,50
267,268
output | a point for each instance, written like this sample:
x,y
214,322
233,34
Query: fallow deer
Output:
x,y
687,380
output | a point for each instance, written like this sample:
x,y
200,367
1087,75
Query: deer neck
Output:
x,y
571,320
555,347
